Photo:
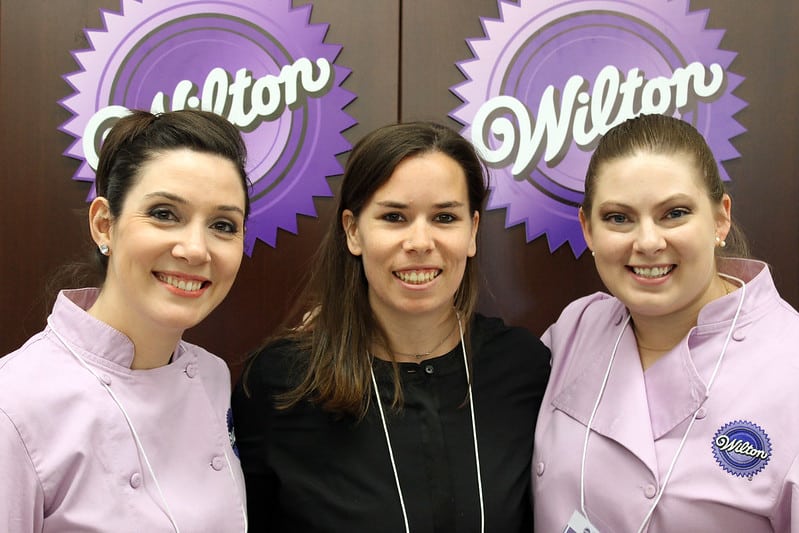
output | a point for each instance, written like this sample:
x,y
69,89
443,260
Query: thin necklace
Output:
x,y
474,438
432,351
726,292
640,346
726,287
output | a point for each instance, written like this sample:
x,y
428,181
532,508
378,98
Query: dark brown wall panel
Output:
x,y
527,284
402,55
764,186
44,224
523,283
41,229
268,281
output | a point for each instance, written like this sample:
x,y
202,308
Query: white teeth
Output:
x,y
416,277
181,284
654,272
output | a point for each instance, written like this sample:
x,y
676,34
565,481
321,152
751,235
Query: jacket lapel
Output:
x,y
623,412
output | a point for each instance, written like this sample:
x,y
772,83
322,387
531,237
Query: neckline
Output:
x,y
376,392
444,364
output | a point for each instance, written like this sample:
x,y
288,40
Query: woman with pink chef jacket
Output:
x,y
108,420
672,404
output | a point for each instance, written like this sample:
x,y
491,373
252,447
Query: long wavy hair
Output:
x,y
338,328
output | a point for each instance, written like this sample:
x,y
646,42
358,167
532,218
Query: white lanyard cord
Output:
x,y
474,429
390,451
690,424
693,418
474,435
593,414
133,431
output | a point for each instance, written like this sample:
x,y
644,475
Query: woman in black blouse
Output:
x,y
390,405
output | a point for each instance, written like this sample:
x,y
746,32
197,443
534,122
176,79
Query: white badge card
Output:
x,y
579,524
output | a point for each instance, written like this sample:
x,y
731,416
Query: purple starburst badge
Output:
x,y
259,63
550,77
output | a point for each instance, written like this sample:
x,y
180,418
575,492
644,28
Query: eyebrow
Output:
x,y
679,197
399,205
180,200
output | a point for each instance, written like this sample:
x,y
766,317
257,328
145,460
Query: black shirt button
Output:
x,y
429,369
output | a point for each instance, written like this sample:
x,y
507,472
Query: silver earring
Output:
x,y
104,249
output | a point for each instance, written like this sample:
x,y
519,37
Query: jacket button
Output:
x,y
650,491
135,480
218,463
191,370
739,335
105,378
429,369
701,413
539,468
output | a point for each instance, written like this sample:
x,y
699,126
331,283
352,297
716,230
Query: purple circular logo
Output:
x,y
550,77
741,448
258,63
231,431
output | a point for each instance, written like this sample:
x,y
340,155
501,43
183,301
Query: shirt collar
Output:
x,y
86,333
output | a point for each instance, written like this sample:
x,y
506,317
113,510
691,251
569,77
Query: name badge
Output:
x,y
579,524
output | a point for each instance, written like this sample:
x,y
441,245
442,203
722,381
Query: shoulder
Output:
x,y
595,311
763,311
37,381
593,304
39,368
510,362
486,330
276,365
212,365
212,370
492,335
15,361
269,371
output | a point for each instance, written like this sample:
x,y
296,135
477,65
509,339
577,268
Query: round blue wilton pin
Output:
x,y
741,448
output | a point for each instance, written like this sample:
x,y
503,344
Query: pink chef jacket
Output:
x,y
739,469
68,460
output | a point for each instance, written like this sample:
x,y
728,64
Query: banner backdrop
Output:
x,y
532,82
550,77
260,64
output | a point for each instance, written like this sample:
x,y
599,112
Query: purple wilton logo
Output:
x,y
231,431
741,448
259,63
550,77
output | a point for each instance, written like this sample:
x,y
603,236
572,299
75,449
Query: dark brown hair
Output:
x,y
134,140
137,138
338,332
660,134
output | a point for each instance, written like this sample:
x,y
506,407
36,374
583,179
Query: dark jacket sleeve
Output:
x,y
524,372
252,414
